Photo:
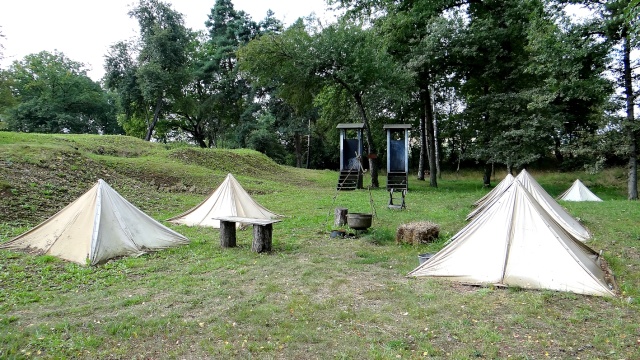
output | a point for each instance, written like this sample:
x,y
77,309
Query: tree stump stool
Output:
x,y
340,218
262,232
227,234
262,238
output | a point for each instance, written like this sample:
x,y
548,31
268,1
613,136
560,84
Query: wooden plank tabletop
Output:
x,y
245,220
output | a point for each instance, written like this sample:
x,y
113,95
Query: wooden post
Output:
x,y
340,216
227,234
262,238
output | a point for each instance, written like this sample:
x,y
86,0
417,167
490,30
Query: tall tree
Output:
x,y
355,60
574,95
53,94
274,63
148,75
611,22
233,99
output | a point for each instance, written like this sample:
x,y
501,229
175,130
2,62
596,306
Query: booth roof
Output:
x,y
396,126
350,126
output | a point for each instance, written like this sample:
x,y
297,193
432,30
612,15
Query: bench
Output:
x,y
262,232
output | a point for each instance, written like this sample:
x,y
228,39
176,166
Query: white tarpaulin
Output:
x,y
557,212
515,242
229,199
97,226
578,192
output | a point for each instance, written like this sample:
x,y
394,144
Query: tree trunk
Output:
x,y
437,144
298,145
433,172
630,119
423,142
156,115
373,163
556,150
309,145
262,238
486,177
227,234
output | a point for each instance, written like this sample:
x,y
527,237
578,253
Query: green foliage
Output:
x,y
150,73
49,93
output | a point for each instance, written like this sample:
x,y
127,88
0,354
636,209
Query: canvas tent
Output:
x,y
229,199
516,242
97,226
578,192
561,216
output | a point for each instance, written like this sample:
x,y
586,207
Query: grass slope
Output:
x,y
313,297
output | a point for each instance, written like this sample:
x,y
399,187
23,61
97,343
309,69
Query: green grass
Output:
x,y
313,297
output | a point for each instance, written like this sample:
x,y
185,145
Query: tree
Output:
x,y
149,74
574,96
233,97
612,23
273,63
53,94
353,60
423,39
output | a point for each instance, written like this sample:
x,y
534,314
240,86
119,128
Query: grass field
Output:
x,y
312,297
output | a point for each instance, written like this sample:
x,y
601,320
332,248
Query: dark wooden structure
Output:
x,y
262,232
397,156
350,156
398,203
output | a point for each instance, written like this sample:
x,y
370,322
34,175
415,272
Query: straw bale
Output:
x,y
421,232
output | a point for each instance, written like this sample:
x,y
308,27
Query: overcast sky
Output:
x,y
84,29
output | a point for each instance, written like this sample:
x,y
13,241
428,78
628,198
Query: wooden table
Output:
x,y
262,232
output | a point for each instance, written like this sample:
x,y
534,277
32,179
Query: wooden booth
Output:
x,y
397,161
351,149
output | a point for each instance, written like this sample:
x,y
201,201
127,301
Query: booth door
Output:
x,y
351,148
397,156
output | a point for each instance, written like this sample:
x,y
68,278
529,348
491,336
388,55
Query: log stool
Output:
x,y
262,232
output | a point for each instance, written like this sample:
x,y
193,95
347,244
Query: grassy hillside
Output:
x,y
313,296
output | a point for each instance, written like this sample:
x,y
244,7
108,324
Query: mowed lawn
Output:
x,y
312,297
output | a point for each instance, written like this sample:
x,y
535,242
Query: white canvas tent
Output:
x,y
515,242
97,226
229,199
578,192
561,216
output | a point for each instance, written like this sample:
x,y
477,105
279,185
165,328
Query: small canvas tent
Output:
x,y
578,192
229,199
515,242
561,216
97,226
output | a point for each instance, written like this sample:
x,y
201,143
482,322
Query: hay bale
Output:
x,y
421,232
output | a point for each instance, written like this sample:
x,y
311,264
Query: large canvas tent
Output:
x,y
97,226
516,242
578,192
229,199
557,212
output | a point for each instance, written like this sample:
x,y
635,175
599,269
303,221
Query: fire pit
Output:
x,y
359,221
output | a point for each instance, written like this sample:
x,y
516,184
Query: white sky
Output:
x,y
84,29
